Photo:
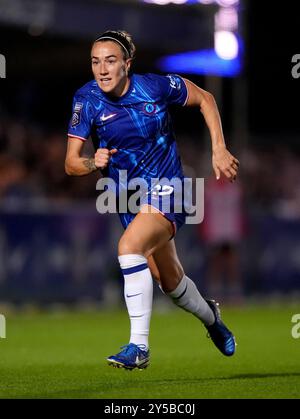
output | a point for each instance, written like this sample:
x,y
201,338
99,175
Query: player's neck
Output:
x,y
122,89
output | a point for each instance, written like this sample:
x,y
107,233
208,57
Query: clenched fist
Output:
x,y
102,157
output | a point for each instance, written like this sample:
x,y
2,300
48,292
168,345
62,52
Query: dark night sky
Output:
x,y
272,41
41,73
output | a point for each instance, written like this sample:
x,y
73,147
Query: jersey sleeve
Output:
x,y
82,118
173,89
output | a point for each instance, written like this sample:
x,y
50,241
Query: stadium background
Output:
x,y
54,247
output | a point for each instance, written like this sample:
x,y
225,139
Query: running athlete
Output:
x,y
127,117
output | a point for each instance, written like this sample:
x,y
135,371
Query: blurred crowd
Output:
x,y
32,169
32,166
258,207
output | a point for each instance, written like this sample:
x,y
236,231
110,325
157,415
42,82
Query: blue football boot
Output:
x,y
132,356
219,333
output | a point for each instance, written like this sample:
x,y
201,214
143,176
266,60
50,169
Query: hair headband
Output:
x,y
117,37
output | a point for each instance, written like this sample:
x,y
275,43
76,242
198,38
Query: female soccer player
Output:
x,y
127,118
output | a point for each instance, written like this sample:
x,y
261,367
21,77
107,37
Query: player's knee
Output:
x,y
127,246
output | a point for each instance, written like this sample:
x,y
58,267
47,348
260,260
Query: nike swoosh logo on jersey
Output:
x,y
104,118
133,295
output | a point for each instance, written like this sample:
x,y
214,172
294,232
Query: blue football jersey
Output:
x,y
137,124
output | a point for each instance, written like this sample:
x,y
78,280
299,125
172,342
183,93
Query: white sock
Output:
x,y
138,293
187,296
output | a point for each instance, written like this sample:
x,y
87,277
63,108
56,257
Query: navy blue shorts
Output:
x,y
168,200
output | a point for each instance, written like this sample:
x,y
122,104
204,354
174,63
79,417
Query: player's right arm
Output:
x,y
76,165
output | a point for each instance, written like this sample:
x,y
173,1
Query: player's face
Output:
x,y
110,68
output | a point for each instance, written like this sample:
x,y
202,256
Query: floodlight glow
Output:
x,y
222,3
227,3
226,19
226,45
204,62
164,2
225,58
206,1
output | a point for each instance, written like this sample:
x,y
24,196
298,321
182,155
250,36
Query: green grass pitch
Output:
x,y
62,355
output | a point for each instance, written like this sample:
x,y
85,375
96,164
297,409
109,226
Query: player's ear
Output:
x,y
128,65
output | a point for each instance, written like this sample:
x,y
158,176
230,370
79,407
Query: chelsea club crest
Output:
x,y
149,108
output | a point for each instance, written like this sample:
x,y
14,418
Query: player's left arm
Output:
x,y
222,160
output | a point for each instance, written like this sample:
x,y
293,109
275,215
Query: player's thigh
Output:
x,y
168,265
146,233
